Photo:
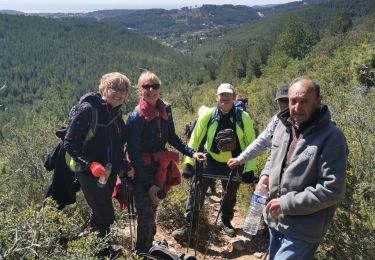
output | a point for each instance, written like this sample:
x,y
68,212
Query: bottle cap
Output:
x,y
161,194
108,166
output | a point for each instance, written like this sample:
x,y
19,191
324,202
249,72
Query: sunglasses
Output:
x,y
154,86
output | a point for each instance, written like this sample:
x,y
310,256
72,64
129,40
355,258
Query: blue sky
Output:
x,y
30,6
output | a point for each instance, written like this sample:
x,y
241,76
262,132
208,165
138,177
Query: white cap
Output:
x,y
225,88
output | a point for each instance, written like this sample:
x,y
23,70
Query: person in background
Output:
x,y
305,173
263,140
240,102
222,117
106,145
151,127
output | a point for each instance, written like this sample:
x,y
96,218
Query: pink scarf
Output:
x,y
149,112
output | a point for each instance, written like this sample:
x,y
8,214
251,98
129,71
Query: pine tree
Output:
x,y
297,38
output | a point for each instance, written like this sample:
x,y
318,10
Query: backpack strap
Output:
x,y
210,121
212,118
238,115
168,109
70,162
93,125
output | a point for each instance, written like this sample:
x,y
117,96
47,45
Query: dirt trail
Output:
x,y
245,246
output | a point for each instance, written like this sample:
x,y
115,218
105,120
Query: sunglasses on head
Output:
x,y
153,86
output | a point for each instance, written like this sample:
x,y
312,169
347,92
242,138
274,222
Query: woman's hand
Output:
x,y
233,163
97,169
152,193
131,173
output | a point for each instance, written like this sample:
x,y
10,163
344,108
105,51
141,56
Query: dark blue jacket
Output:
x,y
145,137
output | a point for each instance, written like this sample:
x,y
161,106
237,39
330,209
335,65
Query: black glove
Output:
x,y
188,171
248,177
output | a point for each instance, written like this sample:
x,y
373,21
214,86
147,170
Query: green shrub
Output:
x,y
44,233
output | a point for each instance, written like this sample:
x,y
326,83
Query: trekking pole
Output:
x,y
192,212
133,216
195,206
130,215
202,164
218,213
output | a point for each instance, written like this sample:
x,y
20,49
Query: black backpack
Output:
x,y
160,251
64,184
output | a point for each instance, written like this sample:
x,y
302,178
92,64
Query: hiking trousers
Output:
x,y
146,228
99,200
227,211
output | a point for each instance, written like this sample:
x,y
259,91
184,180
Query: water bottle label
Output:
x,y
259,199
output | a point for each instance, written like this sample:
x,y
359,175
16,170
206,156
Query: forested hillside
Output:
x,y
182,29
46,64
39,56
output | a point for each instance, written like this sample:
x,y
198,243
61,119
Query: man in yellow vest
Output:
x,y
225,117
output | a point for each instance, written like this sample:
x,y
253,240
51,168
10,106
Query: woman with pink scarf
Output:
x,y
150,128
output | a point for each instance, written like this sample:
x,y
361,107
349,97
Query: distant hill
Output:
x,y
187,28
318,13
154,22
12,12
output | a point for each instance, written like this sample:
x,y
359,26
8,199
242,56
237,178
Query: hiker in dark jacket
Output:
x,y
150,128
106,145
305,173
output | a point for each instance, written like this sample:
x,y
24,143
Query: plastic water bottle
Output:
x,y
255,211
102,181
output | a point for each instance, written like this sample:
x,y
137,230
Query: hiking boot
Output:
x,y
228,229
181,233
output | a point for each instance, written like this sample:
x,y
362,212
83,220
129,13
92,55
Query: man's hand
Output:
x,y
274,208
199,156
152,193
263,181
233,163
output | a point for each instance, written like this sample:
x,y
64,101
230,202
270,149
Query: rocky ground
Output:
x,y
243,246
